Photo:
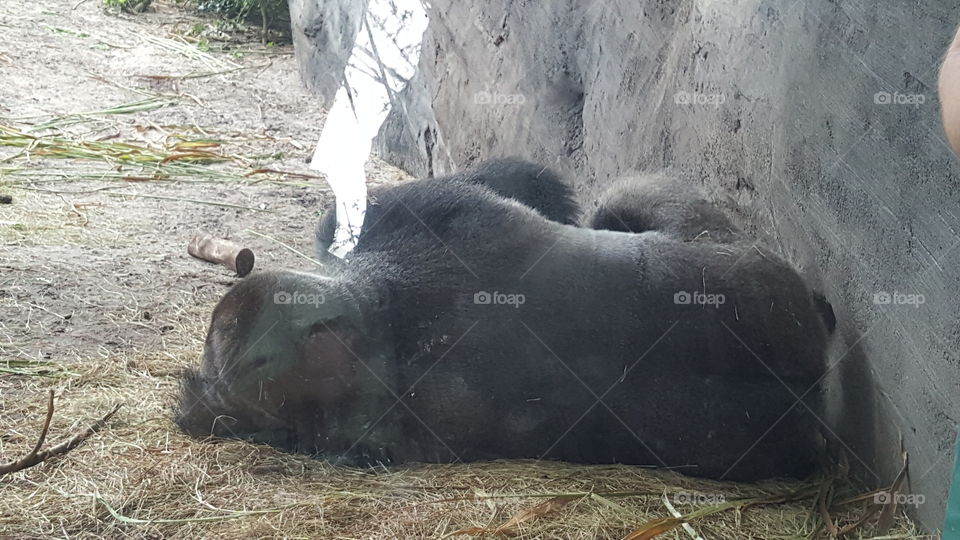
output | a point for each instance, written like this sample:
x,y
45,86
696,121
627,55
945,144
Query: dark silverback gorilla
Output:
x,y
471,327
533,185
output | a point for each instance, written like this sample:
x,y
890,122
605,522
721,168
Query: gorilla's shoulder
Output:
x,y
493,193
443,198
446,210
532,184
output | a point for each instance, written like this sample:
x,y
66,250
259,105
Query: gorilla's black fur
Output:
x,y
659,202
533,185
414,349
656,202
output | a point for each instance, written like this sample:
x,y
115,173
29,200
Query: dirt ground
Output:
x,y
100,302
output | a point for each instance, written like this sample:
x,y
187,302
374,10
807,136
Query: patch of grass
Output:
x,y
270,14
34,368
245,10
67,31
184,155
128,6
114,153
144,105
193,51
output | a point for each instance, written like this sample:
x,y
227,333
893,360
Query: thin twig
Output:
x,y
284,173
46,428
289,247
36,456
825,493
888,513
191,75
183,199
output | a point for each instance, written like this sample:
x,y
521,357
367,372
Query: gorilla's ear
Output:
x,y
337,333
336,327
825,310
329,356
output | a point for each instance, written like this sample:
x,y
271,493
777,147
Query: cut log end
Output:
x,y
244,262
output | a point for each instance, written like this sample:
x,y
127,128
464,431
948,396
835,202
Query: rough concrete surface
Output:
x,y
815,123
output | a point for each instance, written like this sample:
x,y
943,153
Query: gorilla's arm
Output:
x,y
656,202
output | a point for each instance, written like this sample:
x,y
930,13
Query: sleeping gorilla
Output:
x,y
513,178
470,327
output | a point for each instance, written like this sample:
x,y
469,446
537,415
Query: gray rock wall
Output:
x,y
814,123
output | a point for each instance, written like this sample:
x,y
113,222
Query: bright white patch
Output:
x,y
383,59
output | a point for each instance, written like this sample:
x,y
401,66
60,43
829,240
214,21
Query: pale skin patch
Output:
x,y
949,89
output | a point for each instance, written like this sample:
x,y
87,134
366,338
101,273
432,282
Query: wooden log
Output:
x,y
224,252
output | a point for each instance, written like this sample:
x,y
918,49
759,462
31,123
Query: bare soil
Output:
x,y
100,302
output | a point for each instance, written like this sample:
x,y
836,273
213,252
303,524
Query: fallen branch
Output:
x,y
36,456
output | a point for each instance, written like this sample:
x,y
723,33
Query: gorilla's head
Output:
x,y
282,363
